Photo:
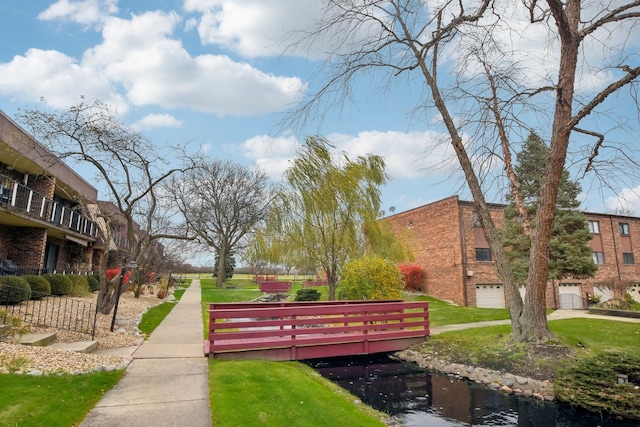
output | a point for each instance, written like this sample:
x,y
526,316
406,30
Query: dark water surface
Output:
x,y
424,398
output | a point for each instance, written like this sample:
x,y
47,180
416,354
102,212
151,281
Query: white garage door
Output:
x,y
490,296
571,296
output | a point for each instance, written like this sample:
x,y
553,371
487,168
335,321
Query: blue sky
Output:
x,y
212,73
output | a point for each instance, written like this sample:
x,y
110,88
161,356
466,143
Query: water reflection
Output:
x,y
423,398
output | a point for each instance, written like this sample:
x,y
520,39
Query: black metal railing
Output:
x,y
12,270
50,311
26,200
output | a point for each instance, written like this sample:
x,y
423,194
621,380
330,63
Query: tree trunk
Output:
x,y
332,282
107,294
567,20
221,274
514,300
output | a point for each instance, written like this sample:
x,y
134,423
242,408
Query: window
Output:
x,y
627,258
483,254
598,257
594,227
624,228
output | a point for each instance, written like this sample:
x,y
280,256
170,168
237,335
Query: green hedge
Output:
x,y
40,286
14,290
60,284
308,294
94,283
79,285
592,384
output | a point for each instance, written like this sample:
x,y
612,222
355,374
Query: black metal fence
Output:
x,y
50,311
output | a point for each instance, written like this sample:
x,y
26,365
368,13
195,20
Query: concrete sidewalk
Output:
x,y
556,315
166,384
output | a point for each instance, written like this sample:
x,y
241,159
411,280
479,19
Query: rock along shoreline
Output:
x,y
504,382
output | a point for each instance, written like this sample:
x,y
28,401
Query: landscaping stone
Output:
x,y
504,382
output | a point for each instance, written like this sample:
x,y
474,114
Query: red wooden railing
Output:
x,y
308,330
312,283
274,287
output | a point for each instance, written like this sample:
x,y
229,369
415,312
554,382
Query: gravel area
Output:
x,y
17,358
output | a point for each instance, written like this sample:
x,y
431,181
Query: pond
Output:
x,y
423,398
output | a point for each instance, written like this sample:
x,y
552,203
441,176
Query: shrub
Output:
x,y
592,384
14,290
60,284
413,276
307,294
371,277
79,285
13,326
40,287
94,283
615,304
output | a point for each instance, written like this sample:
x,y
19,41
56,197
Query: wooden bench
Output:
x,y
275,287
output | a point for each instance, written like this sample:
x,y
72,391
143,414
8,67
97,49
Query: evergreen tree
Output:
x,y
569,251
229,264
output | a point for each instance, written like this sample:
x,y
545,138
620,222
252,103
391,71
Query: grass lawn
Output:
x,y
443,313
152,318
52,400
577,338
260,393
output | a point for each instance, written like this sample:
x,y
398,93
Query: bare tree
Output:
x,y
128,164
221,202
422,39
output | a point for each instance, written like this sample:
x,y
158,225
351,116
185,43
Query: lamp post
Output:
x,y
131,265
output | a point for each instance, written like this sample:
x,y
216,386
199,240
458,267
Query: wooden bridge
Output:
x,y
310,330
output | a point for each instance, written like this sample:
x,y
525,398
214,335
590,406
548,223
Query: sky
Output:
x,y
219,75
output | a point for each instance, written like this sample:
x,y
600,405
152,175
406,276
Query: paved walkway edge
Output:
x,y
167,383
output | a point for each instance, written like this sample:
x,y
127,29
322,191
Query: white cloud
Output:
x,y
153,121
60,79
258,28
407,155
84,12
533,48
139,61
628,200
271,154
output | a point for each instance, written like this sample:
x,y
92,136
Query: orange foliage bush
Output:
x,y
115,272
413,276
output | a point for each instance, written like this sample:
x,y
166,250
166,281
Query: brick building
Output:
x,y
44,223
448,242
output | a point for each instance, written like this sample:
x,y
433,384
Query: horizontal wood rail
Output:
x,y
275,287
312,283
308,330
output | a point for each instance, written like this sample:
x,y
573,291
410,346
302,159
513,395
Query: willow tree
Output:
x,y
326,205
473,65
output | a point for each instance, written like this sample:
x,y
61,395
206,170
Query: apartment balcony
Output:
x,y
23,206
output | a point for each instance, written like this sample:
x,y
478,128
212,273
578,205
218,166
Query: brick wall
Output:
x,y
26,246
43,185
477,272
443,239
613,245
432,232
5,241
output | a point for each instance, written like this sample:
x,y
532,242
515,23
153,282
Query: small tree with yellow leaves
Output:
x,y
371,278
